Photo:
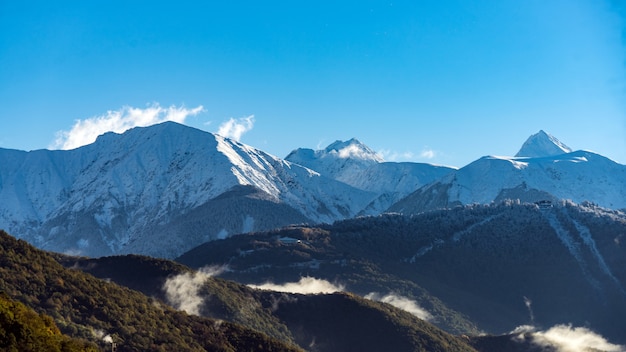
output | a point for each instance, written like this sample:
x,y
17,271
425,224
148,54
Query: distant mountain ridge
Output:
x,y
354,163
544,169
340,160
164,189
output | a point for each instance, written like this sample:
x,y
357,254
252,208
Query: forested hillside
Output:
x,y
23,330
227,316
496,266
95,310
320,323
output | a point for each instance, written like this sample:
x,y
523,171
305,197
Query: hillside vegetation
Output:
x,y
23,330
319,323
92,309
496,266
95,312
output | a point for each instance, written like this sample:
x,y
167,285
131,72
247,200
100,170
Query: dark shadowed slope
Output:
x,y
500,266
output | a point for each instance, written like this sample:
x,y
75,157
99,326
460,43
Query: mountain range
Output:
x,y
506,253
164,189
543,170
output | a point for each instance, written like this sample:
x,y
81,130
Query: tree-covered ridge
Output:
x,y
498,266
89,308
23,330
346,322
335,321
103,312
348,257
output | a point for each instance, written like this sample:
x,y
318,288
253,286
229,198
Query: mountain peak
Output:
x,y
542,144
354,149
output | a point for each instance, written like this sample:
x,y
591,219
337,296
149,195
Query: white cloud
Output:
x,y
100,334
357,152
427,153
306,285
391,155
565,338
403,303
235,128
182,290
529,305
350,151
86,131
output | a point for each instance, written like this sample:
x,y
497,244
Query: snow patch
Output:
x,y
585,235
457,236
422,251
519,164
569,242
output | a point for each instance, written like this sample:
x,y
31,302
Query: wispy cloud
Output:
x,y
306,285
86,131
529,305
182,290
427,153
565,338
357,152
235,128
101,335
392,155
403,303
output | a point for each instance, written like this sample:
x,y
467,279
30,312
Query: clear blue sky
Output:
x,y
444,82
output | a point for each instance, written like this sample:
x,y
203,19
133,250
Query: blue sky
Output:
x,y
443,82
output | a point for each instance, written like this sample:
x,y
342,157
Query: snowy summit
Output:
x,y
352,148
324,160
542,144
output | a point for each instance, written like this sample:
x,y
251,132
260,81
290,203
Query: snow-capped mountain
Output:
x,y
159,190
544,169
163,189
343,161
542,144
354,163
